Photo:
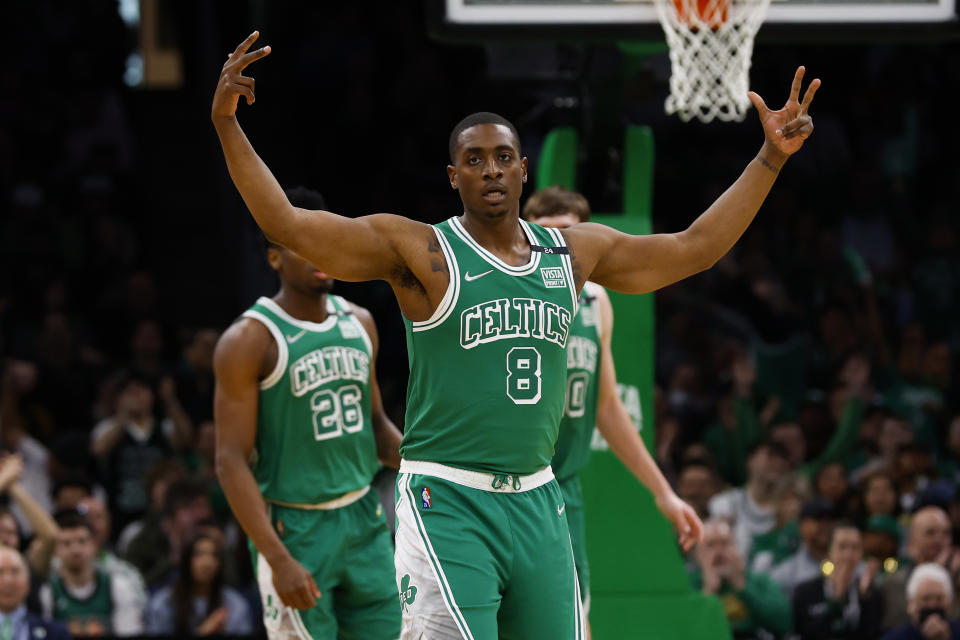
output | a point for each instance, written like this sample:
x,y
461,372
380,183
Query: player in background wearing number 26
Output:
x,y
297,390
482,543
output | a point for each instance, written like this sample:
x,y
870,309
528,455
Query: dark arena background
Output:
x,y
809,378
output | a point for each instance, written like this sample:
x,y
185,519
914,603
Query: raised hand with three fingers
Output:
x,y
233,83
787,128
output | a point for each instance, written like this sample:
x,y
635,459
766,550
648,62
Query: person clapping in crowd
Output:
x,y
840,604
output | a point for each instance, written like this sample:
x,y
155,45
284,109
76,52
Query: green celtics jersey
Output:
x,y
583,382
93,612
488,370
314,436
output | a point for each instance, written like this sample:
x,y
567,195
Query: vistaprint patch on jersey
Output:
x,y
553,277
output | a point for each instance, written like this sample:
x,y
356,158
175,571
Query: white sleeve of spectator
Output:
x,y
169,428
100,429
127,614
46,601
721,505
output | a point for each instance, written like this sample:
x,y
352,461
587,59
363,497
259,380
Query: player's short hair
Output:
x,y
929,571
553,201
302,198
474,119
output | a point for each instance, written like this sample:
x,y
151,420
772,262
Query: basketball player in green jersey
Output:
x,y
592,398
297,390
482,544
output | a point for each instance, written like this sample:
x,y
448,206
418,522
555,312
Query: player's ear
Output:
x,y
274,257
452,175
523,163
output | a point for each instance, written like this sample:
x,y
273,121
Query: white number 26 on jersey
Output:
x,y
336,411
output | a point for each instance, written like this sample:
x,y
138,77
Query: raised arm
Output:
x,y
376,247
387,435
237,363
640,264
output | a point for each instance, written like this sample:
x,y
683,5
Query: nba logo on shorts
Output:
x,y
425,498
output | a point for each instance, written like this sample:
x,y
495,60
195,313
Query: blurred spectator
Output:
x,y
17,379
83,596
790,435
881,542
754,606
749,509
45,529
157,479
198,603
194,373
98,517
70,490
879,495
155,551
929,596
133,438
771,548
16,623
830,482
841,603
929,540
913,472
696,484
817,519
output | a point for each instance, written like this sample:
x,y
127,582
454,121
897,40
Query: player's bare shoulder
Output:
x,y
246,345
420,276
365,318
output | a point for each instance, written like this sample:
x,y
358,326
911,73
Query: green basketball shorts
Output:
x,y
349,552
484,557
573,498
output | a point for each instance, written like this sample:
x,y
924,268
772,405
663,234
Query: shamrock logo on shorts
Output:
x,y
408,592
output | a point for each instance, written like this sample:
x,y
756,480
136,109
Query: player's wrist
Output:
x,y
772,157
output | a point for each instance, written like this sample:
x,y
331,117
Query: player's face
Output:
x,y
488,170
297,273
557,220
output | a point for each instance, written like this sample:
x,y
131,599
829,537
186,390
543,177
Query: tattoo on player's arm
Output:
x,y
775,169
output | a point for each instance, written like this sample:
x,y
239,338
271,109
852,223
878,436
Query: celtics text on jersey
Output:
x,y
488,369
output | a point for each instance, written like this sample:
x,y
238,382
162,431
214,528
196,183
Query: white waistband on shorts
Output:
x,y
342,501
478,480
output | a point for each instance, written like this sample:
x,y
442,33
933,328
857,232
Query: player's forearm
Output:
x,y
718,228
618,430
248,506
388,439
257,185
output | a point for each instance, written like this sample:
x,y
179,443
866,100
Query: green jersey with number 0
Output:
x,y
488,370
314,436
583,382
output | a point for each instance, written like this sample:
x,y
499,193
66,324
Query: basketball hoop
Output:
x,y
711,43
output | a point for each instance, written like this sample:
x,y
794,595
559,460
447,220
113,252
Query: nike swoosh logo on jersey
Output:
x,y
470,278
292,339
561,508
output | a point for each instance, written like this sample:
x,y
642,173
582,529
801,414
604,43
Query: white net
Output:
x,y
711,43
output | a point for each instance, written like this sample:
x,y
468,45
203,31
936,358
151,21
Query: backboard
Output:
x,y
626,18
